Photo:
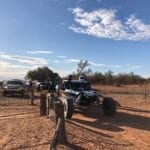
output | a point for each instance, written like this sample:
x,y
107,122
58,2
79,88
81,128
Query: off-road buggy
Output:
x,y
78,93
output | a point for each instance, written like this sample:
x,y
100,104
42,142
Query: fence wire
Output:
x,y
34,131
16,118
13,106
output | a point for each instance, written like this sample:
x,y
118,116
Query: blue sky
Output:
x,y
111,35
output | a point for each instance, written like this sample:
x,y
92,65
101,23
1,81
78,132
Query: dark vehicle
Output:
x,y
28,86
74,93
45,85
13,87
50,86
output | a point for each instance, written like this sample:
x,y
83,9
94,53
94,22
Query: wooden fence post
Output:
x,y
148,91
145,91
43,105
59,111
32,96
60,134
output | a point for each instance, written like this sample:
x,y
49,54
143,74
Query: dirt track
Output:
x,y
22,128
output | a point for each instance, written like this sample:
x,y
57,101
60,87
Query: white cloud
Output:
x,y
134,66
62,56
4,65
9,71
25,59
116,66
39,52
57,61
97,64
80,2
63,24
103,23
72,60
104,65
1,53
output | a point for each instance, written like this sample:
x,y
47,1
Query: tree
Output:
x,y
82,68
109,77
97,77
42,74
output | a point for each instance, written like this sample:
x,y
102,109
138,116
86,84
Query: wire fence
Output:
x,y
16,116
14,105
34,132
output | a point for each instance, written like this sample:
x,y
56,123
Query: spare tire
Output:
x,y
68,108
108,106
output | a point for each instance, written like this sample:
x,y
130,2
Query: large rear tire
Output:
x,y
108,106
68,108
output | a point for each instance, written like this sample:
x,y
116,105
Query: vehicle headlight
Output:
x,y
77,93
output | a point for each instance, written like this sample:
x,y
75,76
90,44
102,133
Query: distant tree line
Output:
x,y
45,74
107,78
119,79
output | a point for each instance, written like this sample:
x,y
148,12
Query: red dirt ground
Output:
x,y
21,127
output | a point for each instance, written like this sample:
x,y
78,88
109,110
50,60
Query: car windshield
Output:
x,y
15,82
78,86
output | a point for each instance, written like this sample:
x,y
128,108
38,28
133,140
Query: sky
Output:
x,y
111,35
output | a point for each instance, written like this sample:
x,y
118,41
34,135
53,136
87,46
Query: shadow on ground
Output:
x,y
115,123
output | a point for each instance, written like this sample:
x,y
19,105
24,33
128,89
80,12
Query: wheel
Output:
x,y
108,106
68,108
